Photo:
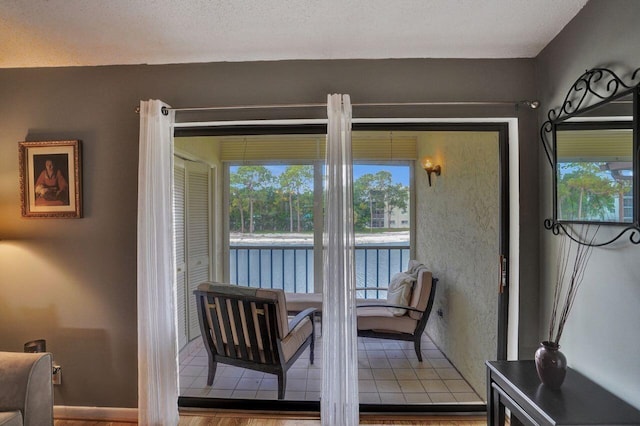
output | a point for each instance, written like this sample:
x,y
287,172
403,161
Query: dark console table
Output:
x,y
516,386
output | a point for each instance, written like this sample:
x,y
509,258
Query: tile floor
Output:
x,y
389,373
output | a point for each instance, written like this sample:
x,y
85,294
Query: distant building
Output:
x,y
399,218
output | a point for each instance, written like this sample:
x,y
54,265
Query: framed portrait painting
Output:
x,y
50,179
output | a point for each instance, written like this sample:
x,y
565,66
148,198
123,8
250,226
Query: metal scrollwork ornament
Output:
x,y
557,228
599,84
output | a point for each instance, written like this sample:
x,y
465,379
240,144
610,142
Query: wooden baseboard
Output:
x,y
109,414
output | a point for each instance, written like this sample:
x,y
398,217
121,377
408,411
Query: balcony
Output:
x,y
389,372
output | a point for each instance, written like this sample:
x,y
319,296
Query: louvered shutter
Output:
x,y
198,188
179,236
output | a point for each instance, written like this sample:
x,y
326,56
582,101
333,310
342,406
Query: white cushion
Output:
x,y
399,292
298,302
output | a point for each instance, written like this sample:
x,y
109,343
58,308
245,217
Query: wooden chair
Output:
x,y
256,322
378,321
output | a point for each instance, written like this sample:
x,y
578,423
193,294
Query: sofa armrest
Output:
x,y
25,385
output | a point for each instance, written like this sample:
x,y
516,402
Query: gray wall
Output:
x,y
73,282
457,237
601,337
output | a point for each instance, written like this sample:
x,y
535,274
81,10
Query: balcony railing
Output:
x,y
290,267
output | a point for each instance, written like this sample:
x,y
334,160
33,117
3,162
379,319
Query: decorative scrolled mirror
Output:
x,y
591,142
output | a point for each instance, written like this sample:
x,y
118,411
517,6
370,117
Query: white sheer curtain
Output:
x,y
157,342
339,403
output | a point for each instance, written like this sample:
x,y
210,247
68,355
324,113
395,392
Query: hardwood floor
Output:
x,y
253,419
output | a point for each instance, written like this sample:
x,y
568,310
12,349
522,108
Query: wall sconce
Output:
x,y
429,167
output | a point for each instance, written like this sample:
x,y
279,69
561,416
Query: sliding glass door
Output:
x,y
266,233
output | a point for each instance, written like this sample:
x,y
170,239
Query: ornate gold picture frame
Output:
x,y
50,179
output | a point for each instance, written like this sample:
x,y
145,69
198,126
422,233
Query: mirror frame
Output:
x,y
594,89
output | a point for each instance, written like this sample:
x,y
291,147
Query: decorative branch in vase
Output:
x,y
573,258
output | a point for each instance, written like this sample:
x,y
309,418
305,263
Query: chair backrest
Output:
x,y
256,320
421,292
422,298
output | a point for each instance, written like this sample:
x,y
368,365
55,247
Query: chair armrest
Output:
x,y
309,312
384,305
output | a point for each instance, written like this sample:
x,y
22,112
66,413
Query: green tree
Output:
x,y
246,184
583,193
363,195
236,223
295,181
396,196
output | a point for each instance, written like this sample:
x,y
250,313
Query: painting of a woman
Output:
x,y
51,187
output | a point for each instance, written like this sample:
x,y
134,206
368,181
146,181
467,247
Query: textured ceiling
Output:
x,y
45,33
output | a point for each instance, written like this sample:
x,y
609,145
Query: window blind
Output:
x,y
596,145
264,149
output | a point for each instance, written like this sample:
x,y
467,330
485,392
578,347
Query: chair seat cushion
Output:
x,y
296,337
382,319
298,302
11,418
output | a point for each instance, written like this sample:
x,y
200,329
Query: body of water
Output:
x,y
290,266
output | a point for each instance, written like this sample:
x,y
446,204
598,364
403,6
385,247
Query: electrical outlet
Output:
x,y
57,375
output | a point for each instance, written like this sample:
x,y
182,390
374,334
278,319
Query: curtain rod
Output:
x,y
533,104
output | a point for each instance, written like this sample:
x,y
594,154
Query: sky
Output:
x,y
400,174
